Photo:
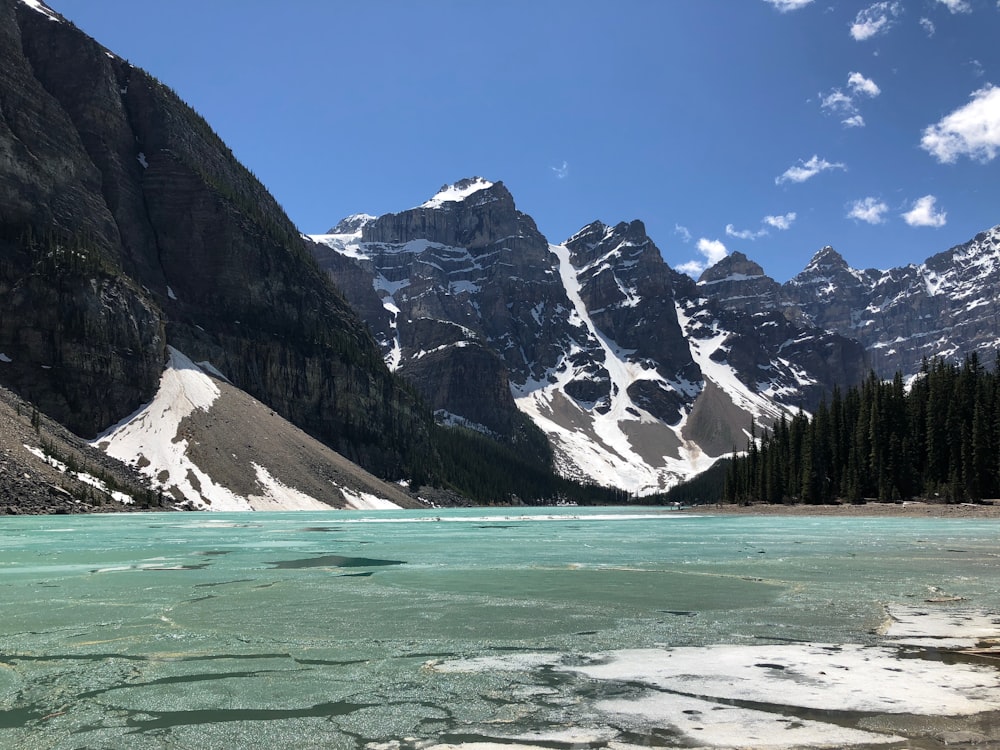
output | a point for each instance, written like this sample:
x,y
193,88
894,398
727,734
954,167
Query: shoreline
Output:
x,y
913,509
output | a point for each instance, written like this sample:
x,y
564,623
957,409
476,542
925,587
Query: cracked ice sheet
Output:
x,y
721,726
816,676
937,627
692,690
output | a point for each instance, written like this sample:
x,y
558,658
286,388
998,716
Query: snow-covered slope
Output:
x,y
612,441
209,446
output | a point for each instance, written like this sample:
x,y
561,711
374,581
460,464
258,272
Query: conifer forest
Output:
x,y
938,439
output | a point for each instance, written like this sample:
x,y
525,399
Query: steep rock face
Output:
x,y
459,321
72,325
944,307
738,282
623,285
126,223
828,293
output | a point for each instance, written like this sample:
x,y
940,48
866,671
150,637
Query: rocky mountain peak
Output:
x,y
473,213
589,236
740,283
825,261
461,191
352,224
733,266
625,240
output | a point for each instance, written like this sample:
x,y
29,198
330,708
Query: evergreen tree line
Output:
x,y
488,473
938,440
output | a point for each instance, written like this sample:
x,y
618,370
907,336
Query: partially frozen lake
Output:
x,y
557,628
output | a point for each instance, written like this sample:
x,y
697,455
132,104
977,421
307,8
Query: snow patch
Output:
x,y
595,441
702,348
150,439
278,496
366,501
81,476
40,7
142,157
730,696
4,358
457,192
848,677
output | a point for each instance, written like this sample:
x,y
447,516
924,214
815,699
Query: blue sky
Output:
x,y
770,127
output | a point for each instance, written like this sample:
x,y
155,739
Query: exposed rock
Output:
x,y
126,223
944,307
596,338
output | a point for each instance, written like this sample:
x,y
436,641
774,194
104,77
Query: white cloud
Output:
x,y
712,250
956,6
875,19
805,170
684,232
972,130
562,171
928,26
744,234
861,85
870,210
923,213
777,222
780,222
786,5
839,102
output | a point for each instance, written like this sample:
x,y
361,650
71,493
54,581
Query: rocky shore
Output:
x,y
913,509
45,469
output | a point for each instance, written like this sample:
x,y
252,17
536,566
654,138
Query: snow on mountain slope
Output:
x,y
457,192
209,446
708,339
943,307
615,442
636,378
42,8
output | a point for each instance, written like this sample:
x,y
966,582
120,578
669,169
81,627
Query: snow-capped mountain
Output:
x,y
946,306
636,378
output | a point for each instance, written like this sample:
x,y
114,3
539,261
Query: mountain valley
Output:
x,y
162,318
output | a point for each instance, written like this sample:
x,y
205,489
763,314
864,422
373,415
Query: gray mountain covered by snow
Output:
x,y
637,377
946,306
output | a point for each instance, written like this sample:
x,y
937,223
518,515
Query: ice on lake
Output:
x,y
556,628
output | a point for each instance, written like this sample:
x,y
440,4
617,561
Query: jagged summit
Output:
x,y
735,266
596,233
352,224
826,260
634,376
457,192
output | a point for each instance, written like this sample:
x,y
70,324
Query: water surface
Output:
x,y
556,628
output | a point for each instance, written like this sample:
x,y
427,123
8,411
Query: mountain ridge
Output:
x,y
410,342
600,340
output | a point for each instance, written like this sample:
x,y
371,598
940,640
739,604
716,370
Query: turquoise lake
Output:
x,y
556,628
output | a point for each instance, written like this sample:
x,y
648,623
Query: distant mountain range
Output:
x,y
449,346
638,375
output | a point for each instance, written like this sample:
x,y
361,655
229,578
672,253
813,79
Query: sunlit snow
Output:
x,y
454,193
149,437
41,8
591,441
